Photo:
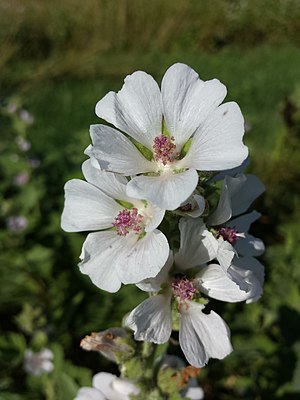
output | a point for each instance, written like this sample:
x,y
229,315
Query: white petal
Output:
x,y
104,381
225,253
248,273
157,215
143,258
217,248
154,284
187,100
193,250
217,284
243,223
243,189
217,144
87,393
233,171
203,336
100,254
125,386
151,320
193,392
136,109
116,153
112,184
167,191
110,259
87,208
223,212
249,246
194,206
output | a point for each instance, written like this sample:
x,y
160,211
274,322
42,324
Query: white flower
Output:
x,y
237,194
201,336
107,386
178,130
38,363
128,248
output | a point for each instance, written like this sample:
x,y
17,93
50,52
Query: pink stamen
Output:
x,y
164,149
183,289
229,234
128,221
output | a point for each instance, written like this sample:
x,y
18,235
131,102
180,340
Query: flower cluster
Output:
x,y
176,153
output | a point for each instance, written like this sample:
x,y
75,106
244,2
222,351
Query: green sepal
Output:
x,y
142,149
124,204
186,147
164,129
175,317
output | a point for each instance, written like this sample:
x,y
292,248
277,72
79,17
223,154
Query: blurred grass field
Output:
x,y
57,60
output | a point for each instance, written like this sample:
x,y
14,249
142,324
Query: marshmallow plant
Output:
x,y
166,203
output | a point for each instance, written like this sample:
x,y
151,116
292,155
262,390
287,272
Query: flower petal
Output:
x,y
193,251
110,259
157,215
154,284
243,190
111,184
88,393
217,144
143,258
216,283
104,381
167,191
249,246
194,392
87,208
218,248
203,336
116,153
223,212
136,109
194,206
243,223
233,171
151,320
248,273
187,100
100,254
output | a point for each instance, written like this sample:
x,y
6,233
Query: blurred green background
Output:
x,y
57,59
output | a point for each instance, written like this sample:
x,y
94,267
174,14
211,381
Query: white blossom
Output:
x,y
201,335
128,248
38,363
231,224
170,134
107,386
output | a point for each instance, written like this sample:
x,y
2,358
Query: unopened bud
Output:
x,y
115,344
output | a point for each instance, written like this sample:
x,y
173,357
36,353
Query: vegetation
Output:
x,y
57,59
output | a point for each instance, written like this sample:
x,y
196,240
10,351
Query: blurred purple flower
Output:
x,y
11,108
26,117
16,223
23,144
38,363
21,179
